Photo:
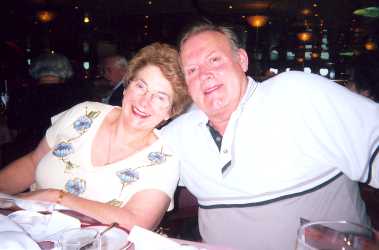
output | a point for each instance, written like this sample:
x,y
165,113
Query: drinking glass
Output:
x,y
336,235
79,239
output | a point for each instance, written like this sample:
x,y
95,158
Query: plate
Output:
x,y
17,240
43,226
114,239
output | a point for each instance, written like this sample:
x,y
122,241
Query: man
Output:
x,y
114,70
260,156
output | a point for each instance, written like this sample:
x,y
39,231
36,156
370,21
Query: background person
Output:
x,y
260,156
114,70
30,107
107,162
364,75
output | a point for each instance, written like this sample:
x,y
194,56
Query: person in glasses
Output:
x,y
108,162
261,156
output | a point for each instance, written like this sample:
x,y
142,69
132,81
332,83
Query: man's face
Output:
x,y
214,73
113,72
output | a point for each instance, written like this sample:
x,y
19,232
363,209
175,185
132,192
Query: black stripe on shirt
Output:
x,y
225,167
369,177
217,137
253,204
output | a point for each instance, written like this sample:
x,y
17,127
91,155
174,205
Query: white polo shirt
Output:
x,y
289,134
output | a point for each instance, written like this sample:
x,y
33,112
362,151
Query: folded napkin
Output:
x,y
7,224
17,241
43,226
144,239
13,237
8,201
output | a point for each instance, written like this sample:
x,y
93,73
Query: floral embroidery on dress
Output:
x,y
157,157
63,149
130,175
82,123
75,186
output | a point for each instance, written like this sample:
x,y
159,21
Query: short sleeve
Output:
x,y
164,178
60,121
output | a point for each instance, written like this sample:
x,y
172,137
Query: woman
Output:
x,y
108,162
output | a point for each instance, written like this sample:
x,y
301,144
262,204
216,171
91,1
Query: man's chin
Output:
x,y
214,110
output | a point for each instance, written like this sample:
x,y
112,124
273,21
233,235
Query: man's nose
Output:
x,y
204,73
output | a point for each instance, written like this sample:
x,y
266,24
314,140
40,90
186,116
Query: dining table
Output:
x,y
86,221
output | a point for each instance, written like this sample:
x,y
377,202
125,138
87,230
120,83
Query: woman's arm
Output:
x,y
145,208
20,174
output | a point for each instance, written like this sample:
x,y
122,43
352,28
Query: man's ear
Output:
x,y
243,59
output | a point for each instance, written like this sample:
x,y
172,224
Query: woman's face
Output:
x,y
147,99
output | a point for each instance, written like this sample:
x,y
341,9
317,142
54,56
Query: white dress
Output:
x,y
68,165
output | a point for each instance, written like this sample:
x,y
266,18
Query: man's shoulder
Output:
x,y
298,83
186,120
296,79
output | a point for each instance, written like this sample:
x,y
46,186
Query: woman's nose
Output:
x,y
145,99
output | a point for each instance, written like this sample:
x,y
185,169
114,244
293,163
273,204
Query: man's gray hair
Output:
x,y
119,61
234,41
49,64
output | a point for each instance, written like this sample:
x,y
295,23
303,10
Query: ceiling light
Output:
x,y
306,12
45,16
257,21
370,45
304,36
86,19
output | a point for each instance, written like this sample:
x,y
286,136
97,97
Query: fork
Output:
x,y
90,244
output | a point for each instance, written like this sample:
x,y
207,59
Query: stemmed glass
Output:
x,y
336,235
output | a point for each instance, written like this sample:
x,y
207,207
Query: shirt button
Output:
x,y
218,138
225,151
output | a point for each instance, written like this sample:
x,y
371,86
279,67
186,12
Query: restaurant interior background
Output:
x,y
319,36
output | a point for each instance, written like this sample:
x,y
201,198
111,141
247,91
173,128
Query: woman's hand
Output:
x,y
47,195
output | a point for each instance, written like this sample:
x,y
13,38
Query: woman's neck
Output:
x,y
124,141
124,134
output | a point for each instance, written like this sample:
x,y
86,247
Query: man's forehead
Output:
x,y
205,43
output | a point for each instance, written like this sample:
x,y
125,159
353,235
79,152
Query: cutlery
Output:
x,y
89,244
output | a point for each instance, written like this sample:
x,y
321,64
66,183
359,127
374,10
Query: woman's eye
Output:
x,y
161,98
191,71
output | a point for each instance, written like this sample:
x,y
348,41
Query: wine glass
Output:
x,y
80,239
336,235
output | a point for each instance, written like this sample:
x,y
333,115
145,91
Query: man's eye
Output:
x,y
214,59
140,85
